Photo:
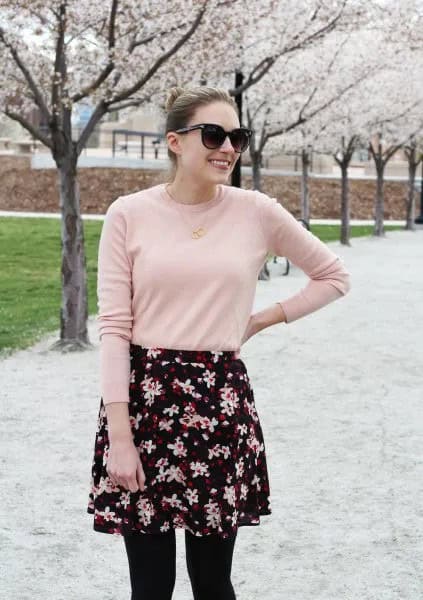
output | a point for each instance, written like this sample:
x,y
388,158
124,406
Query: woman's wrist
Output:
x,y
269,316
118,423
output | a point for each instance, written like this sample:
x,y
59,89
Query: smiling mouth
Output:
x,y
220,164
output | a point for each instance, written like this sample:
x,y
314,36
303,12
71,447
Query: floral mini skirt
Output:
x,y
196,428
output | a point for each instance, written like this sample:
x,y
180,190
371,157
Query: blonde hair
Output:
x,y
181,104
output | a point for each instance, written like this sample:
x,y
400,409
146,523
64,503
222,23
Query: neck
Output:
x,y
187,191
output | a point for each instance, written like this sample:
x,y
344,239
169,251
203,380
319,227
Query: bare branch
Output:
x,y
36,133
38,97
110,66
162,59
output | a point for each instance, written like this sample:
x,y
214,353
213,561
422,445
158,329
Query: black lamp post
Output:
x,y
419,219
236,173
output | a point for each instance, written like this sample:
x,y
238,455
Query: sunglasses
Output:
x,y
213,136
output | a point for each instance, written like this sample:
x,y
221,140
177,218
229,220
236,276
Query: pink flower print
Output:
x,y
145,510
165,424
216,355
162,462
191,495
229,495
105,455
174,501
252,410
209,378
239,465
151,388
174,409
215,451
213,514
132,376
190,417
186,386
244,491
253,443
135,422
149,445
125,499
256,481
226,452
229,401
243,429
109,515
153,352
165,526
175,473
234,517
199,468
209,424
178,447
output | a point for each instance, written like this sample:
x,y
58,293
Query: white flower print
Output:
x,y
213,514
175,473
253,443
135,422
109,515
226,452
125,499
186,386
199,468
178,447
229,494
239,465
174,501
145,510
132,377
153,352
148,445
151,388
209,424
256,482
229,401
243,429
174,409
215,451
191,495
234,517
165,526
162,462
216,355
252,410
105,455
244,491
209,377
166,424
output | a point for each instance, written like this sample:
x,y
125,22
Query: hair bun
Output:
x,y
172,94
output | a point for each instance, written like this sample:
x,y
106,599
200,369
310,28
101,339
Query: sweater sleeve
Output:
x,y
114,292
285,236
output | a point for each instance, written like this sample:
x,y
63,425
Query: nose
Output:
x,y
227,145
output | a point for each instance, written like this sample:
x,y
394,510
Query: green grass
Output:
x,y
30,251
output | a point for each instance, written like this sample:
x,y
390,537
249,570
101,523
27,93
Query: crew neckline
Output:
x,y
199,206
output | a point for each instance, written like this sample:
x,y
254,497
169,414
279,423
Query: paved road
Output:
x,y
340,400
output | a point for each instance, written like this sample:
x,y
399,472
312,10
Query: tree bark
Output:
x,y
305,200
345,204
411,204
74,305
256,168
379,202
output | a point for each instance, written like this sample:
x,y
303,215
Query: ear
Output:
x,y
173,142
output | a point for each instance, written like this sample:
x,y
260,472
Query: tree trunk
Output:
x,y
256,168
379,202
305,202
74,308
345,205
411,205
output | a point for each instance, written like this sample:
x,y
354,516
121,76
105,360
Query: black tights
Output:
x,y
152,565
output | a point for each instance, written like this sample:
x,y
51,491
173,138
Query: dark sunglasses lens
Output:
x,y
213,137
239,140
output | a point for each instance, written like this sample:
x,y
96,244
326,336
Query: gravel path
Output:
x,y
340,401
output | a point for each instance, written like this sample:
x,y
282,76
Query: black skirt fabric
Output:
x,y
196,427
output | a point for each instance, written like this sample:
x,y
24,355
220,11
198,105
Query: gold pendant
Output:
x,y
197,233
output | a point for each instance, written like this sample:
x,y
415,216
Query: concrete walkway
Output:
x,y
339,394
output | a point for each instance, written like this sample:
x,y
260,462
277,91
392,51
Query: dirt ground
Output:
x,y
25,189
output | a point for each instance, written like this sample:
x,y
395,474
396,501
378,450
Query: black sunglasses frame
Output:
x,y
221,131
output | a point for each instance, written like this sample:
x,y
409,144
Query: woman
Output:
x,y
179,442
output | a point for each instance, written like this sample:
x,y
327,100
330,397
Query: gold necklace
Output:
x,y
195,233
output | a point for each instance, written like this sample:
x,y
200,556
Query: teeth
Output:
x,y
225,163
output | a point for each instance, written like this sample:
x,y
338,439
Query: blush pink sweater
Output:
x,y
159,287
